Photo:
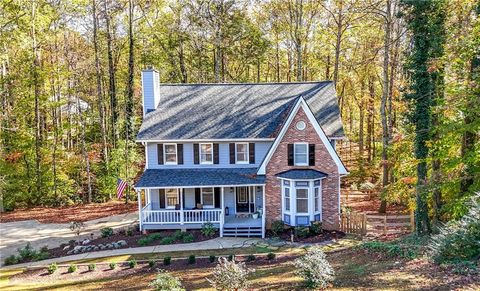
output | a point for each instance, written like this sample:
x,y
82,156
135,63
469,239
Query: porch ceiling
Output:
x,y
162,178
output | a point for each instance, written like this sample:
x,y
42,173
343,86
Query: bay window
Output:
x,y
286,195
302,200
316,193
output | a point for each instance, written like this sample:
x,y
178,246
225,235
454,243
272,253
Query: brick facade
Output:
x,y
323,162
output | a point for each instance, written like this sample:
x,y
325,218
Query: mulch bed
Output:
x,y
67,214
132,240
326,235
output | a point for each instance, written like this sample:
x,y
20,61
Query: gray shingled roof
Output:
x,y
219,111
298,174
199,177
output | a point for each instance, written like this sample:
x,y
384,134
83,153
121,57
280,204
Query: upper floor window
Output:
x,y
208,198
170,156
301,154
206,153
241,153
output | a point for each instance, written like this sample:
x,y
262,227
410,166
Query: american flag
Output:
x,y
121,186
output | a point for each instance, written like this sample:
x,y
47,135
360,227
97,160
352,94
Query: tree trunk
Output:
x,y
111,78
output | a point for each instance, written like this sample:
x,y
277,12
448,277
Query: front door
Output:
x,y
243,199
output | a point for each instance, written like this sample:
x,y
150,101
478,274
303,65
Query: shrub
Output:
x,y
106,232
167,261
367,186
165,281
144,241
208,229
72,268
92,267
229,275
277,227
465,268
151,263
191,259
52,268
314,268
132,263
390,249
458,240
112,266
167,240
211,259
316,228
27,252
188,238
302,232
129,232
271,256
251,258
178,235
149,239
11,260
77,227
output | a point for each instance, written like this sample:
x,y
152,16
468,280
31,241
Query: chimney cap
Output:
x,y
150,68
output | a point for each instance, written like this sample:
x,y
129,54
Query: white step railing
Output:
x,y
181,216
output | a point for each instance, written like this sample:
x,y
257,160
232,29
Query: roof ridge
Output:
x,y
249,83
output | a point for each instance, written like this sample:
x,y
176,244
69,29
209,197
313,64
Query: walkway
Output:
x,y
213,244
14,235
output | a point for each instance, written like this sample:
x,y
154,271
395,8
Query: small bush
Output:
x,y
251,258
191,259
390,249
178,235
11,260
92,267
231,257
188,238
27,253
144,241
165,281
151,263
112,266
208,229
106,232
132,263
72,268
129,232
167,261
52,268
465,268
271,256
167,240
315,269
212,258
149,239
277,227
315,228
229,275
302,232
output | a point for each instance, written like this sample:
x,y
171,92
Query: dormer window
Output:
x,y
301,154
170,156
241,153
206,153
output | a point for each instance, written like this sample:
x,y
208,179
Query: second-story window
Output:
x,y
241,154
170,150
301,154
206,153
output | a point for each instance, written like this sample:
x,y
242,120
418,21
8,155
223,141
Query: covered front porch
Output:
x,y
227,207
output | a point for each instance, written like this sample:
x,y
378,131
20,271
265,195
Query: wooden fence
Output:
x,y
360,223
353,222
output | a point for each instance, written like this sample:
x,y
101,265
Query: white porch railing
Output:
x,y
180,216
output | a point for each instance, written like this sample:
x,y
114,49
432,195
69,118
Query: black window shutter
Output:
x,y
232,153
196,154
216,158
251,153
216,192
162,198
290,154
197,196
180,153
311,154
160,153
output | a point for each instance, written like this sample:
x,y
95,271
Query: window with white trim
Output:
x,y
302,200
316,192
241,153
301,154
206,153
171,198
286,195
208,198
170,153
242,195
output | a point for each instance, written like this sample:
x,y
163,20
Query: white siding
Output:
x,y
261,149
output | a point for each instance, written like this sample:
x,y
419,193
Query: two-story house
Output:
x,y
239,155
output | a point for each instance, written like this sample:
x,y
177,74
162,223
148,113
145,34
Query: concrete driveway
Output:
x,y
14,235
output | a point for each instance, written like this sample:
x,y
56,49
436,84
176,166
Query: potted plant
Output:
x,y
255,215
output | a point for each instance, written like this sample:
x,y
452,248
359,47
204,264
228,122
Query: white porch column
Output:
x,y
264,211
180,190
139,198
222,213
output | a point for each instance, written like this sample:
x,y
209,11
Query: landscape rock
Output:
x,y
122,243
66,247
95,248
86,242
70,252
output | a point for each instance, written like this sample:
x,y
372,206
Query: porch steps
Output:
x,y
248,231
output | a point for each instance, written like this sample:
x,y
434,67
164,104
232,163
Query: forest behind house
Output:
x,y
406,74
